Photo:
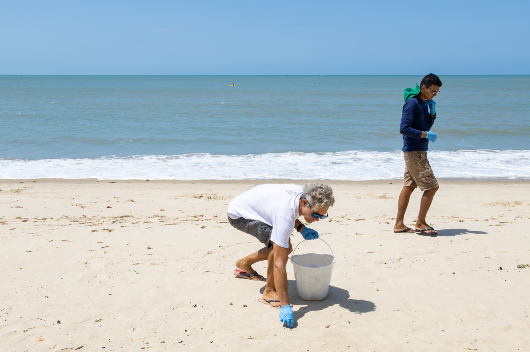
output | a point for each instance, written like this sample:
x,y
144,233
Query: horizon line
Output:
x,y
279,75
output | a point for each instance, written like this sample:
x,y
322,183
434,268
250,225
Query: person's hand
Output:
x,y
286,315
431,136
432,106
309,234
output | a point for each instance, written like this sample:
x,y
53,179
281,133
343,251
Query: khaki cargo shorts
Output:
x,y
418,171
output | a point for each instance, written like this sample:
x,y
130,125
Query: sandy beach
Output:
x,y
93,265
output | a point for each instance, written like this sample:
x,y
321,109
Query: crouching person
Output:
x,y
270,212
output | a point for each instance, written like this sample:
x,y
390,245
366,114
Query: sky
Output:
x,y
250,37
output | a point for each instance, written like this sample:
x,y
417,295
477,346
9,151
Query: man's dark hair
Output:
x,y
431,79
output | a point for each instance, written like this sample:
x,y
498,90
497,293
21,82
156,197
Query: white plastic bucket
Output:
x,y
313,274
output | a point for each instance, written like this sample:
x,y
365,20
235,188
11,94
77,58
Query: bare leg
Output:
x,y
403,203
270,273
426,201
270,289
246,263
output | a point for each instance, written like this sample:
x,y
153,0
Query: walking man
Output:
x,y
419,113
270,213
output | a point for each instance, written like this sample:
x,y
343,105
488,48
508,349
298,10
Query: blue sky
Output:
x,y
249,37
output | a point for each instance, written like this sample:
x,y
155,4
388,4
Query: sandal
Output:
x,y
243,275
269,302
407,230
425,233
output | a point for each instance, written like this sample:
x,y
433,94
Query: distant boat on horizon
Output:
x,y
232,85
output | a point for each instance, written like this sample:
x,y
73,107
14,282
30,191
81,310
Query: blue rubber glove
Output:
x,y
286,315
309,234
432,106
431,136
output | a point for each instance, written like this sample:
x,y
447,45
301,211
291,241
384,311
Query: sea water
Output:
x,y
266,127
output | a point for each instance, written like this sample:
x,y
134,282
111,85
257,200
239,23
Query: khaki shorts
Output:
x,y
418,171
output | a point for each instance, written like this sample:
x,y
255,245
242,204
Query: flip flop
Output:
x,y
240,274
408,230
268,302
425,233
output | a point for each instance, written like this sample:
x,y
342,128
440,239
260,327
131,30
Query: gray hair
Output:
x,y
318,195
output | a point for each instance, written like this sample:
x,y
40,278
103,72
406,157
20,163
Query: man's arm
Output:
x,y
431,120
280,274
406,122
298,223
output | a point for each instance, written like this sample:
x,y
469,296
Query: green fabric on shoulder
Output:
x,y
411,92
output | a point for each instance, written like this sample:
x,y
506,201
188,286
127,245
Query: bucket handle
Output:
x,y
306,240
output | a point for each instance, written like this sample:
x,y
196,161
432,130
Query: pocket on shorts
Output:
x,y
427,179
426,175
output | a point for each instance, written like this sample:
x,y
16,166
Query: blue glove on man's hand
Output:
x,y
309,234
432,106
431,136
286,315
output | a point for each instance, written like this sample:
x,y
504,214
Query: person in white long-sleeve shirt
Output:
x,y
270,212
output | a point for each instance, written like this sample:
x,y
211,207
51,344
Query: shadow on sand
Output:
x,y
458,232
335,296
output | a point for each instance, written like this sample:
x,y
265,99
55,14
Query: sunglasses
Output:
x,y
434,92
316,215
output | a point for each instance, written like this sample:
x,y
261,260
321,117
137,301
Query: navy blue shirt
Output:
x,y
415,119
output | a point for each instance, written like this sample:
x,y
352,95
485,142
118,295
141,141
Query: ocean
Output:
x,y
265,127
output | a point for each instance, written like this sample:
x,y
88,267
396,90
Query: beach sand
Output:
x,y
93,265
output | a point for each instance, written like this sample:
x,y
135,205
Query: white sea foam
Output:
x,y
349,165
